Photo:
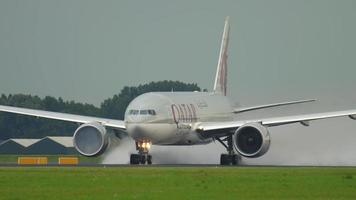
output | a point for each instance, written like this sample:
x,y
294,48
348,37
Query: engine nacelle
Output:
x,y
252,140
91,139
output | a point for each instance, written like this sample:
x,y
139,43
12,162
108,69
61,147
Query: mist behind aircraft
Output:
x,y
320,144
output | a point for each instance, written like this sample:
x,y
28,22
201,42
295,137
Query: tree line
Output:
x,y
19,126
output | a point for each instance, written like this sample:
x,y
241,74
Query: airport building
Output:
x,y
45,146
16,146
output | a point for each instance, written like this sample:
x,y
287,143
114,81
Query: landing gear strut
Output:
x,y
231,158
142,157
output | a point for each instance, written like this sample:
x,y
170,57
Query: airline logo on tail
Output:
x,y
221,72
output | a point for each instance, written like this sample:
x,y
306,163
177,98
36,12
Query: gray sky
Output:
x,y
87,50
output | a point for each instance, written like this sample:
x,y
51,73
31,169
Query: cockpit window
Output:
x,y
142,112
133,112
152,112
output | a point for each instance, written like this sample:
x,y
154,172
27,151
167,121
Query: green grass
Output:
x,y
52,159
177,183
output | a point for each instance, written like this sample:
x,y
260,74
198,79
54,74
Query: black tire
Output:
x,y
142,159
134,159
225,159
235,159
149,159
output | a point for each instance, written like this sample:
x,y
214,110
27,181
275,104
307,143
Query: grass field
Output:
x,y
177,183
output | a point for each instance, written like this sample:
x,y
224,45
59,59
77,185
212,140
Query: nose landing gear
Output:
x,y
142,157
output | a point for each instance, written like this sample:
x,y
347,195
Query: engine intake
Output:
x,y
91,139
252,140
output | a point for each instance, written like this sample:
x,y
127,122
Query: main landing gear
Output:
x,y
231,158
142,157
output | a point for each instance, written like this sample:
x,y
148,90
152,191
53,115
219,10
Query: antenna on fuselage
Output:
x,y
221,71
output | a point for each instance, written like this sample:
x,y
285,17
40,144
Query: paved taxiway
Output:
x,y
166,165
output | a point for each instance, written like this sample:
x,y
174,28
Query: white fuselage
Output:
x,y
170,118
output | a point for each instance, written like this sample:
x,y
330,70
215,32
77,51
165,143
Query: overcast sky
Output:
x,y
88,50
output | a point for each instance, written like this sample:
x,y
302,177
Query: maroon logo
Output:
x,y
184,113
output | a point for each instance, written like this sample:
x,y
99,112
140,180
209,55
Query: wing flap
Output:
x,y
119,124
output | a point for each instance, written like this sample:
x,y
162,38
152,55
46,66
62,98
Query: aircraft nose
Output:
x,y
136,131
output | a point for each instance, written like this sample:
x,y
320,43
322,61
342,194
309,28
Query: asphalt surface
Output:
x,y
113,165
161,165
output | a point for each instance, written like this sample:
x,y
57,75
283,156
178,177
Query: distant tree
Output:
x,y
19,126
115,107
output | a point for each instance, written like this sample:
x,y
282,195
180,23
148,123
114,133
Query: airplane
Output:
x,y
184,118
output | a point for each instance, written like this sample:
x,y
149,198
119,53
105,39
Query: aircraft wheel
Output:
x,y
142,159
225,159
235,159
134,159
149,159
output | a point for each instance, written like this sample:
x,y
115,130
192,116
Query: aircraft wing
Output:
x,y
274,121
118,124
245,109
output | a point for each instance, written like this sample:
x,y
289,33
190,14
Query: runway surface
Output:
x,y
167,165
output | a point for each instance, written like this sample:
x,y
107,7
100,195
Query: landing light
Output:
x,y
144,145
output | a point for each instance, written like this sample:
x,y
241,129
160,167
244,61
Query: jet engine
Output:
x,y
91,139
251,140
